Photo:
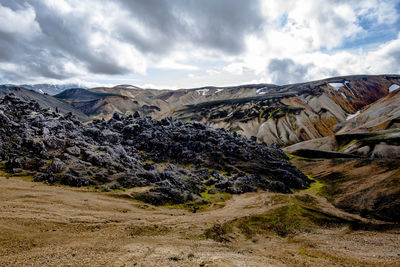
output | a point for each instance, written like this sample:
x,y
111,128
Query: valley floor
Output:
x,y
43,225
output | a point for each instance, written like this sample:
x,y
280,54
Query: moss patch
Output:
x,y
288,220
261,113
348,144
217,197
316,187
331,186
235,129
26,175
150,160
291,156
272,113
283,221
205,201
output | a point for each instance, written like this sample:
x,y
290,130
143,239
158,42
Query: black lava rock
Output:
x,y
177,159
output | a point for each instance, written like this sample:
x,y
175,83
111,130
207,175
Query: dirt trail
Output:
x,y
54,225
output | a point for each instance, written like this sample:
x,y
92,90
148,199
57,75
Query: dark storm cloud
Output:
x,y
16,48
219,25
71,36
67,38
7,46
285,71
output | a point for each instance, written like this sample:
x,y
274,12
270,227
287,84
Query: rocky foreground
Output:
x,y
175,160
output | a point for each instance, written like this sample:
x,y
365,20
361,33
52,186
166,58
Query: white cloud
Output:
x,y
212,72
300,31
174,65
219,43
234,68
20,22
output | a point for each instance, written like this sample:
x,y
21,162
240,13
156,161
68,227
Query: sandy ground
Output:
x,y
43,225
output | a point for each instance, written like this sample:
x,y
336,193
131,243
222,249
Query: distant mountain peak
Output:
x,y
51,89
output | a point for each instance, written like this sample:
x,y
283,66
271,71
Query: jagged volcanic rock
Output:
x,y
178,159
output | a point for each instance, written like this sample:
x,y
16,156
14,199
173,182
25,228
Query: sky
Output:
x,y
193,43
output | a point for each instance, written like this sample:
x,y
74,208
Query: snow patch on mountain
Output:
x,y
351,116
394,87
260,92
336,85
202,92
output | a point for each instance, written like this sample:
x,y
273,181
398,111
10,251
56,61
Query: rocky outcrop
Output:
x,y
383,114
373,132
177,159
376,145
298,112
44,100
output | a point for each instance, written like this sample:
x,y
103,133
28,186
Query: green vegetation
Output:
x,y
214,197
316,187
289,220
206,200
92,187
283,221
236,129
331,186
300,214
348,144
291,156
187,165
23,174
279,111
149,160
306,253
261,113
272,113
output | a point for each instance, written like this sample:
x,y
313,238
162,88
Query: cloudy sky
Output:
x,y
192,43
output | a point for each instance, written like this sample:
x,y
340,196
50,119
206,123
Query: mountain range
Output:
x,y
284,115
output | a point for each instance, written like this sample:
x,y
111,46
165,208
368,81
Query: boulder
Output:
x,y
279,187
386,151
57,166
75,151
